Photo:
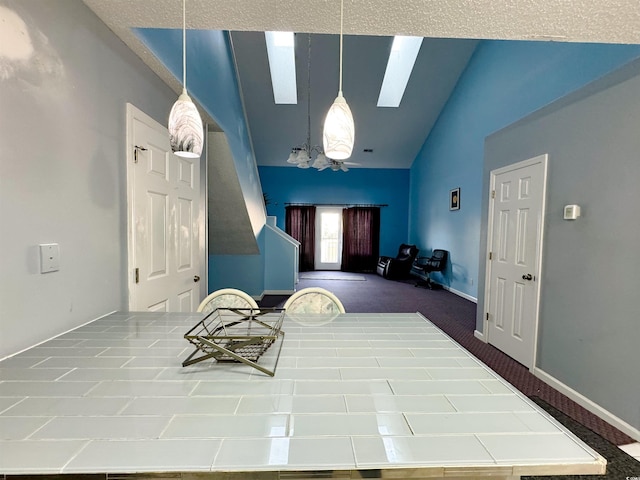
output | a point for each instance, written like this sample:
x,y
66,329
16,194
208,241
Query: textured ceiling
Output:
x,y
394,134
611,21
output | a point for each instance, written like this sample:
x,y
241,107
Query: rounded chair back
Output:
x,y
314,300
227,298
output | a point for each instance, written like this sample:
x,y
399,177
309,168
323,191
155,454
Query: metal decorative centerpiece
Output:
x,y
237,335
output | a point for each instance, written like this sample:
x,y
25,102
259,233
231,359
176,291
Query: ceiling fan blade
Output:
x,y
344,168
351,163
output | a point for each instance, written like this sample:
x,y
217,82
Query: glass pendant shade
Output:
x,y
339,130
292,158
320,161
185,128
303,157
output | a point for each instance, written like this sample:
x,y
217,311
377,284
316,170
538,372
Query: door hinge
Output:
x,y
137,149
137,275
490,255
493,194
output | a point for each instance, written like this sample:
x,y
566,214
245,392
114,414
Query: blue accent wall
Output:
x,y
504,81
244,272
357,186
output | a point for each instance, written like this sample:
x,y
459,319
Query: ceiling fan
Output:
x,y
323,162
301,155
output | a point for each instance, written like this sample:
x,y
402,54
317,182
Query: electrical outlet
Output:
x,y
49,257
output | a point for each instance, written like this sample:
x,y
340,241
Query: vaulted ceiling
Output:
x,y
395,135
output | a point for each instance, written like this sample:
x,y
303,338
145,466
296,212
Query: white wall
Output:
x,y
64,81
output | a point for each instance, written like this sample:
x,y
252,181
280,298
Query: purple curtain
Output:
x,y
300,223
361,239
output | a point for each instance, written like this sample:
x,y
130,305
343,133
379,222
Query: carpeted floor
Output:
x,y
456,316
331,276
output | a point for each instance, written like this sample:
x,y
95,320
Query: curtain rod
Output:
x,y
337,204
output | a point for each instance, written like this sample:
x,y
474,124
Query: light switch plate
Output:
x,y
49,257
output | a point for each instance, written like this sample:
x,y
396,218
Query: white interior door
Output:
x,y
515,246
328,254
164,192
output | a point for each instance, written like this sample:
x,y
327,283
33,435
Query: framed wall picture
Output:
x,y
454,199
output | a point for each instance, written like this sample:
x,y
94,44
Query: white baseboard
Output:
x,y
588,404
461,294
480,336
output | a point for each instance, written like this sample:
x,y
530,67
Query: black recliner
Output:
x,y
400,266
437,262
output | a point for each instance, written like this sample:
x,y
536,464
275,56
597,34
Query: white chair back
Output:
x,y
314,300
227,298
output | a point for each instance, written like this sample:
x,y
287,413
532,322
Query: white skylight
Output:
x,y
282,65
404,52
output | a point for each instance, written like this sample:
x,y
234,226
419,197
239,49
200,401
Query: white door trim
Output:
x,y
543,159
132,113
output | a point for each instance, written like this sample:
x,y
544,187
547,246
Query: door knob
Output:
x,y
527,276
196,278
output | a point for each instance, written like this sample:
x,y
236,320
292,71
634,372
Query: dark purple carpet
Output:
x,y
456,316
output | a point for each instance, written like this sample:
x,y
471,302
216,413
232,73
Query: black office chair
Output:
x,y
400,266
437,262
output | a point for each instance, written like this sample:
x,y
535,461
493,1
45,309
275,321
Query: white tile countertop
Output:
x,y
364,392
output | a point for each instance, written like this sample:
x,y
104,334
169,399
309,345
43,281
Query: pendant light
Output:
x,y
185,125
301,155
339,131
